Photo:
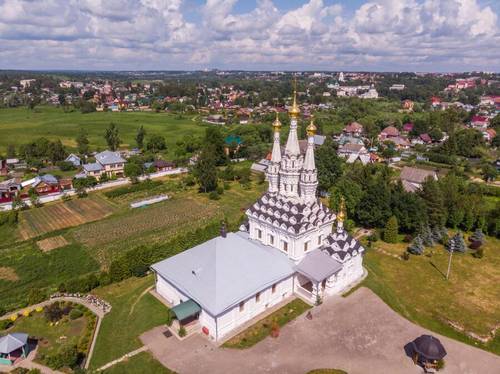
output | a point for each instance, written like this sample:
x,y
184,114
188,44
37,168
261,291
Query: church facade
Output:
x,y
292,245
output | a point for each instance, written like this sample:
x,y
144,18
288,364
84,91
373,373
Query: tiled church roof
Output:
x,y
290,216
342,246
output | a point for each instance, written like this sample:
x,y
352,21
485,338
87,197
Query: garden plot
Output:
x,y
168,217
8,274
49,244
39,221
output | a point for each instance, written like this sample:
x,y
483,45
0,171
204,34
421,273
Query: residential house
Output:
x,y
160,165
354,152
74,159
112,163
479,123
489,134
42,184
412,178
388,133
353,129
9,189
408,127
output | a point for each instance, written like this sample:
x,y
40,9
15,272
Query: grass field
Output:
x,y
39,221
54,124
418,290
142,363
134,311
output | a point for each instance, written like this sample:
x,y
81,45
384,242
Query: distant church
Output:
x,y
288,248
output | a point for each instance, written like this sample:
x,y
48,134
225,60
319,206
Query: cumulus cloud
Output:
x,y
156,34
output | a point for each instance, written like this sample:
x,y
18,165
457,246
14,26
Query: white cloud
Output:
x,y
154,34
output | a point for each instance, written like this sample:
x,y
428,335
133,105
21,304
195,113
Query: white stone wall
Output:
x,y
169,292
296,242
235,317
352,271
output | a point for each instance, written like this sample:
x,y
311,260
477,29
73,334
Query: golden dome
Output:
x,y
277,123
342,213
311,129
294,110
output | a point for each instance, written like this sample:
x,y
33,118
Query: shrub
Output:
x,y
213,195
75,314
5,324
475,245
427,237
53,312
182,331
408,238
227,186
143,186
456,243
66,356
478,236
406,256
65,165
479,253
36,295
440,364
220,190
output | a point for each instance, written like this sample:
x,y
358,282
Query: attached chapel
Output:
x,y
290,247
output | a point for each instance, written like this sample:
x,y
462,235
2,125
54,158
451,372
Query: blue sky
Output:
x,y
376,35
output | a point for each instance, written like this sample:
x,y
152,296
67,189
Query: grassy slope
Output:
x,y
54,124
139,364
36,269
133,312
418,290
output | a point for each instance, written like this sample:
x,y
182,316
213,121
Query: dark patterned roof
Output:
x,y
290,216
342,246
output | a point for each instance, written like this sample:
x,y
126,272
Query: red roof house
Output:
x,y
389,132
354,129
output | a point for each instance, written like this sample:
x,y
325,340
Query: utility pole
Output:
x,y
449,264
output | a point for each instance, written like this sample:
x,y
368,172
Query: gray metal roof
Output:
x,y
92,167
222,272
318,266
108,157
9,343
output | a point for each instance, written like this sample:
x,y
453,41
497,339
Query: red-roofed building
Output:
x,y
489,134
353,129
388,132
479,122
435,101
408,127
426,138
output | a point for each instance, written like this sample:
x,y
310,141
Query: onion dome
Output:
x,y
342,214
294,111
311,129
277,123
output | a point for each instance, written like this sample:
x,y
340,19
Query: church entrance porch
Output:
x,y
185,318
306,288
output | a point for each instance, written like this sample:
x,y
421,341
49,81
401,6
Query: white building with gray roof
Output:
x,y
289,247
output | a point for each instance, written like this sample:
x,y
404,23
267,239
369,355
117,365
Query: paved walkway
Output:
x,y
359,334
123,358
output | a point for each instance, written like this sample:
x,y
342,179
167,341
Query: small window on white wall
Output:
x,y
271,239
306,246
259,233
285,246
257,297
242,306
320,238
273,289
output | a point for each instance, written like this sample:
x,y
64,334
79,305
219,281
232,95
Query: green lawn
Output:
x,y
262,329
418,290
142,363
134,312
54,124
52,336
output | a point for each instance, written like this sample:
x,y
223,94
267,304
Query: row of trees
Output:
x,y
373,196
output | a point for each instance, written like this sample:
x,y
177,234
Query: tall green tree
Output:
x,y
375,208
214,137
434,201
139,137
205,169
156,143
82,142
329,165
112,137
391,230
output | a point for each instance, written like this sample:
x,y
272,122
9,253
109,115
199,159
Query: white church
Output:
x,y
290,247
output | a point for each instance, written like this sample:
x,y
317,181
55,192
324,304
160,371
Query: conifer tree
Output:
x,y
456,243
426,235
391,230
417,246
478,236
205,170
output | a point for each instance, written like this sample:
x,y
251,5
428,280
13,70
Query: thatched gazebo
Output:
x,y
427,351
